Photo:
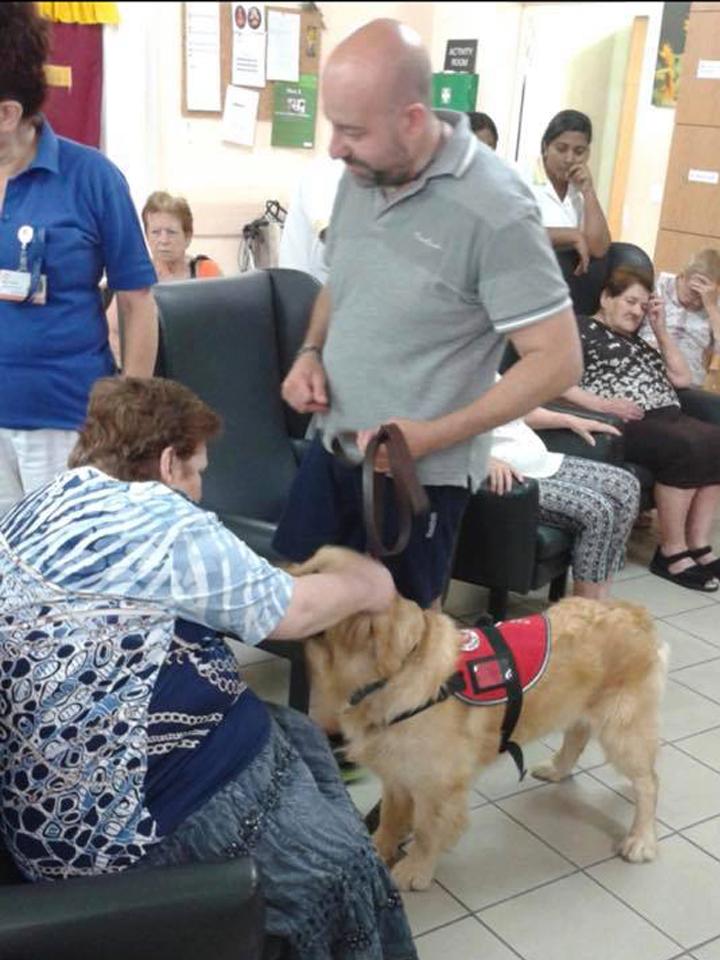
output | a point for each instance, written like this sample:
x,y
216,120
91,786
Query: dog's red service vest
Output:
x,y
484,683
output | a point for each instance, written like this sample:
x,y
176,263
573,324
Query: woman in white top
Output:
x,y
564,189
595,501
692,313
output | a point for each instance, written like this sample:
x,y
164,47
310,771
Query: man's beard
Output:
x,y
367,176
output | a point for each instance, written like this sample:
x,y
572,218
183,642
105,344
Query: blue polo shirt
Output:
x,y
51,354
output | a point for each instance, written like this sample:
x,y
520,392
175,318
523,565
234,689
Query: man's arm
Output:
x,y
305,386
320,600
140,332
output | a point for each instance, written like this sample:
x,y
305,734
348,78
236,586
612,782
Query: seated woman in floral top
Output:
x,y
692,312
130,739
627,377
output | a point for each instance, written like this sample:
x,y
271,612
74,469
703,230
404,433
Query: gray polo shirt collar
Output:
x,y
452,159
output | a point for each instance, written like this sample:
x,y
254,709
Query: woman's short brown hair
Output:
x,y
622,278
24,49
131,420
161,202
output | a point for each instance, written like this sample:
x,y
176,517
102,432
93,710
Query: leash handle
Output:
x,y
410,495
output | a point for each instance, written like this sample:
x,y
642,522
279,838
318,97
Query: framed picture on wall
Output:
x,y
671,47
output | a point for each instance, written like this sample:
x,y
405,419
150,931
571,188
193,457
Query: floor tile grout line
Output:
x,y
547,843
698,663
497,936
523,893
686,686
443,926
703,763
637,913
448,891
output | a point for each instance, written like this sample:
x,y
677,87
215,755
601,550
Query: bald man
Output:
x,y
436,253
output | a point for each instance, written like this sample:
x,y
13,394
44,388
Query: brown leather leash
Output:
x,y
410,495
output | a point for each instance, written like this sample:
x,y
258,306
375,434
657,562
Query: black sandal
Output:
x,y
713,567
694,578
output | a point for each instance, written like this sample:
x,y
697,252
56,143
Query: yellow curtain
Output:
x,y
80,12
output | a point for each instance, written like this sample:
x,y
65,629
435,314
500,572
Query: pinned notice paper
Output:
x,y
240,116
202,56
249,43
283,47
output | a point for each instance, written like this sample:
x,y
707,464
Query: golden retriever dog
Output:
x,y
604,678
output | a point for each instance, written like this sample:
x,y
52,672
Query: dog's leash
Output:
x,y
410,496
411,499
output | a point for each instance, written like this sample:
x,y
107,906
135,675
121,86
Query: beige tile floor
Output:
x,y
535,876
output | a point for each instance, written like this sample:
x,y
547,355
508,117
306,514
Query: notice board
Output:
x,y
310,36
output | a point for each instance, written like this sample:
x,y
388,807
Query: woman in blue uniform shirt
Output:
x,y
67,218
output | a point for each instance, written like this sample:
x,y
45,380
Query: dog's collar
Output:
x,y
453,683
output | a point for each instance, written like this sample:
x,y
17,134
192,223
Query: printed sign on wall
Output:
x,y
460,56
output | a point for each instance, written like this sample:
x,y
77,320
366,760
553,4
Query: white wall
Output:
x,y
574,55
228,185
159,149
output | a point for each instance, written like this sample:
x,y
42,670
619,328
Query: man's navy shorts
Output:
x,y
325,507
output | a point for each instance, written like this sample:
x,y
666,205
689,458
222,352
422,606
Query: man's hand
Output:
x,y
583,252
585,428
500,476
708,290
305,386
619,407
419,437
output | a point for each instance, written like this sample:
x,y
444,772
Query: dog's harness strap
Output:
x,y
513,688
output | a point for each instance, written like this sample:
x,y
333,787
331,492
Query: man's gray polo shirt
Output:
x,y
423,288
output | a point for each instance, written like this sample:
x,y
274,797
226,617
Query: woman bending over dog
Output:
x,y
116,592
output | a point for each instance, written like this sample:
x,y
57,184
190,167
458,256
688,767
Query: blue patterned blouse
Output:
x,y
121,707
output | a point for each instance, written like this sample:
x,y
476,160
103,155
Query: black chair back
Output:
x,y
231,340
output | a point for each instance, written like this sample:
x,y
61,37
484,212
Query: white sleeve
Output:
x,y
296,243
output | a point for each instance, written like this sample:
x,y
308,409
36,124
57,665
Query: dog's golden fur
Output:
x,y
605,678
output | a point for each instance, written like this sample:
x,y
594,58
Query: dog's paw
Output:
x,y
638,849
408,874
548,771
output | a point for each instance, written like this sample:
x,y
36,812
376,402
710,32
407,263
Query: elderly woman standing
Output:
x,y
692,312
627,377
67,217
564,189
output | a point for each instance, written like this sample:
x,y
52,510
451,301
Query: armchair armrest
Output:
x,y
183,912
701,404
498,538
607,449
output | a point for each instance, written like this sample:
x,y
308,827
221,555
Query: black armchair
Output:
x,y
168,913
585,289
232,341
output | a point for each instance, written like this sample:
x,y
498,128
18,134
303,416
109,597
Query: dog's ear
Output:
x,y
395,634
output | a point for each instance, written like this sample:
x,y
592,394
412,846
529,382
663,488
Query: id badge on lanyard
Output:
x,y
27,284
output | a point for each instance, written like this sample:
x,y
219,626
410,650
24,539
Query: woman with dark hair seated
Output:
x,y
627,377
564,189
